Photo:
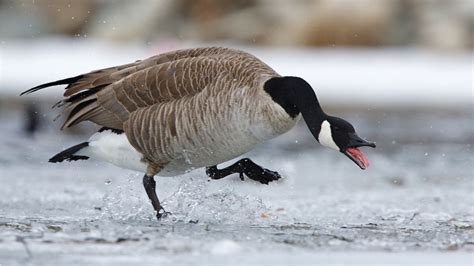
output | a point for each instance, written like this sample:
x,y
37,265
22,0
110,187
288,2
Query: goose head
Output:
x,y
296,97
338,134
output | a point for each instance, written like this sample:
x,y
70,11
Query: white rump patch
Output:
x,y
115,149
325,136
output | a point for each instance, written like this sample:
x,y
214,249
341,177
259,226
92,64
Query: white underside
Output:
x,y
115,149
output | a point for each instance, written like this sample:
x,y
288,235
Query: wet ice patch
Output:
x,y
86,209
125,199
188,198
225,247
196,201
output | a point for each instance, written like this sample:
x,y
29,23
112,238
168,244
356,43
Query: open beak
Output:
x,y
355,154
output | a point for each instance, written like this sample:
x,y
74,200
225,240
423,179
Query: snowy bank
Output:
x,y
370,77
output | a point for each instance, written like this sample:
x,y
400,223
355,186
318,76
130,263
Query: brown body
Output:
x,y
184,109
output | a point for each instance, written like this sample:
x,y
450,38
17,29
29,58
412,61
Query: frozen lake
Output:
x,y
414,205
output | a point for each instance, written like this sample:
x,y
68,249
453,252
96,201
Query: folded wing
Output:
x,y
108,96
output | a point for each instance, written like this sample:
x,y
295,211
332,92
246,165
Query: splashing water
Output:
x,y
195,201
124,201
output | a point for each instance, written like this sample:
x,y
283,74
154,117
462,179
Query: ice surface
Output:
x,y
413,205
407,208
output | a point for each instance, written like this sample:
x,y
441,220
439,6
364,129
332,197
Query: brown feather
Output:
x,y
122,90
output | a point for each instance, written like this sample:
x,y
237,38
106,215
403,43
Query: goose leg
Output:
x,y
150,188
247,167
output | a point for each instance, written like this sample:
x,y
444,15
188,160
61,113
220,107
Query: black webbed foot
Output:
x,y
260,174
247,167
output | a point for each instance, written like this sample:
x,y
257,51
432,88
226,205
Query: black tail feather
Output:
x,y
68,154
54,83
85,93
79,107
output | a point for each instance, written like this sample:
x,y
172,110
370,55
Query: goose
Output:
x,y
194,108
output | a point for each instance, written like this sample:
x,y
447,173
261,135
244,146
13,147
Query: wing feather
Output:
x,y
108,96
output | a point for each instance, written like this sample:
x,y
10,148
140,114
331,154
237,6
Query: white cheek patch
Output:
x,y
325,136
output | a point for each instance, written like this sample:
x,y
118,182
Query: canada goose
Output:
x,y
194,108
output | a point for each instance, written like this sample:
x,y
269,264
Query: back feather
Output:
x,y
108,96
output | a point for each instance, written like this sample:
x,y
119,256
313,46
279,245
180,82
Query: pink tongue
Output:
x,y
359,156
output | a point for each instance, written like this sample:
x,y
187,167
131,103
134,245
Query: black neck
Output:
x,y
295,95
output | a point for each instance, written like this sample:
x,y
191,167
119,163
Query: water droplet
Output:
x,y
426,154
